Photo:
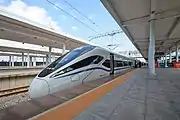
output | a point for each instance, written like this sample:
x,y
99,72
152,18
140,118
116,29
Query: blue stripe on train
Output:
x,y
83,71
100,68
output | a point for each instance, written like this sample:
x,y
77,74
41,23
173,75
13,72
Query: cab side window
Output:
x,y
85,62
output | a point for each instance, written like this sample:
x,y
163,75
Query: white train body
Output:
x,y
77,67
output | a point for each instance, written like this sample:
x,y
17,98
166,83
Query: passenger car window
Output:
x,y
125,63
106,63
119,63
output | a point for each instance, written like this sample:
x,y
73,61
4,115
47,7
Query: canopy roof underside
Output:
x,y
133,17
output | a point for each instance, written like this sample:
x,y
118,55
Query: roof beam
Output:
x,y
137,18
163,39
173,27
175,43
167,10
175,23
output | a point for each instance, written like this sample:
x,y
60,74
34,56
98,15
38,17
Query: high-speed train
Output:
x,y
78,66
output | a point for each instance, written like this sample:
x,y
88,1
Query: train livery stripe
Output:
x,y
82,71
94,68
74,107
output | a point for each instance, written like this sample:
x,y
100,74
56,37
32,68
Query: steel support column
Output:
x,y
12,60
22,59
43,61
166,60
170,56
163,59
53,57
28,60
31,61
49,55
151,50
177,49
34,61
64,49
47,60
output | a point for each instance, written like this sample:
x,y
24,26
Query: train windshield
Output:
x,y
63,60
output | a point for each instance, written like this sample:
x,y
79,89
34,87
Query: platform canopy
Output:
x,y
20,50
20,55
133,16
16,28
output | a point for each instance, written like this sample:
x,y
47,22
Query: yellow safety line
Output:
x,y
74,107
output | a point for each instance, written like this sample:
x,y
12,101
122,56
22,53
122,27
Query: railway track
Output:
x,y
12,91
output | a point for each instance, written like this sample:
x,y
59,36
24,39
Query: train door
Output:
x,y
84,75
135,63
83,70
111,63
75,79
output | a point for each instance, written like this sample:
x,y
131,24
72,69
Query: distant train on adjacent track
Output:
x,y
78,66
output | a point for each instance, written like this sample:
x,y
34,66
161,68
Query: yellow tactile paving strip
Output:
x,y
74,107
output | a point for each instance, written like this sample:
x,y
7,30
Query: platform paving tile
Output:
x,y
161,97
152,118
163,110
176,107
154,106
169,89
126,117
88,116
137,88
128,110
155,89
178,113
177,83
174,98
164,115
136,97
131,105
100,107
118,92
140,83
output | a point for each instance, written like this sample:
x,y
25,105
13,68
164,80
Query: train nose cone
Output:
x,y
38,88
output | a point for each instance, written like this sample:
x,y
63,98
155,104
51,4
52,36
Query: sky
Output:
x,y
96,19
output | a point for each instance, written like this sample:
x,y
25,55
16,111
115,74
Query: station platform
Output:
x,y
18,71
14,77
133,96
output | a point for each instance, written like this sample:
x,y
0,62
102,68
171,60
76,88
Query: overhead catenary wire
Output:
x,y
70,15
81,13
112,33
